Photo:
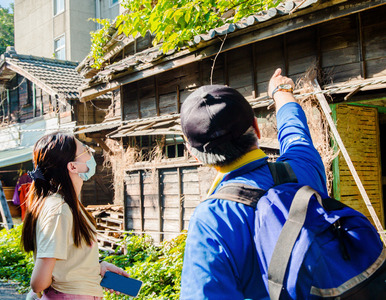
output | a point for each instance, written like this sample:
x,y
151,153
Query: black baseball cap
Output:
x,y
213,115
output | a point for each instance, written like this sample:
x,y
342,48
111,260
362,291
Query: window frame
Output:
x,y
54,7
63,47
112,4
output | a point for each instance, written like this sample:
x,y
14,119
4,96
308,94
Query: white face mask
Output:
x,y
91,164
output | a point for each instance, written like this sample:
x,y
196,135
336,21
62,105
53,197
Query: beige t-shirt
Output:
x,y
76,270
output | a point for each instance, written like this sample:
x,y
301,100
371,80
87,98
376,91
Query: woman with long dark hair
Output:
x,y
57,227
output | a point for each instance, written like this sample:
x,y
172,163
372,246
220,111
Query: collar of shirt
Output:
x,y
246,159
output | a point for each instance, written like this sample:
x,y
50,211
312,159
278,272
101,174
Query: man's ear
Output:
x,y
256,127
190,152
71,167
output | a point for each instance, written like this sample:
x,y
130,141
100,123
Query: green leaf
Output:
x,y
187,16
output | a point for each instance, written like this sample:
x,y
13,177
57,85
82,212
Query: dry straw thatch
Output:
x,y
121,159
317,123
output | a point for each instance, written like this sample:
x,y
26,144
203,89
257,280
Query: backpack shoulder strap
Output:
x,y
249,195
287,238
239,192
282,172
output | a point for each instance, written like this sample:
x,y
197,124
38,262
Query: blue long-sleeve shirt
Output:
x,y
220,260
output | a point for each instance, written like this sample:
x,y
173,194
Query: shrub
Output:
x,y
15,264
159,267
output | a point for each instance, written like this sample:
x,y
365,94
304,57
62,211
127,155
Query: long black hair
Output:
x,y
51,155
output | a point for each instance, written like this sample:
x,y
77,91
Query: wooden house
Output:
x,y
344,40
39,95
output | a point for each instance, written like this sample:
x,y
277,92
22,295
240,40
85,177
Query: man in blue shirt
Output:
x,y
220,259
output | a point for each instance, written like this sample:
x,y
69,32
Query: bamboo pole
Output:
x,y
326,109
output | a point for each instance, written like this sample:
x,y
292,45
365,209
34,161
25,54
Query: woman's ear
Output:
x,y
256,127
71,167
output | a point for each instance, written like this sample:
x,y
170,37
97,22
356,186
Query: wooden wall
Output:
x,y
27,101
98,189
359,130
160,202
91,112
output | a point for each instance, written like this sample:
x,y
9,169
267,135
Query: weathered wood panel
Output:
x,y
301,49
362,143
269,56
180,191
240,70
129,96
340,49
98,189
218,75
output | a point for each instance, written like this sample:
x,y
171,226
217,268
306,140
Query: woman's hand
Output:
x,y
105,266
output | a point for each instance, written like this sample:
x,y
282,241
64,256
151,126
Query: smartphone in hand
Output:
x,y
120,283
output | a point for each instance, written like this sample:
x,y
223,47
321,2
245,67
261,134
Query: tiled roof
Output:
x,y
56,77
152,55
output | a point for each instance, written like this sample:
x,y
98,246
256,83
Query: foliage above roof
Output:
x,y
173,22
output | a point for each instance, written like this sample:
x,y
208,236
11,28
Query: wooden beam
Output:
x,y
99,180
103,145
226,73
141,201
156,95
138,101
361,48
285,54
253,70
326,109
180,197
324,12
335,162
159,198
4,209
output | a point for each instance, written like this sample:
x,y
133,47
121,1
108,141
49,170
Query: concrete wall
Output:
x,y
36,27
79,40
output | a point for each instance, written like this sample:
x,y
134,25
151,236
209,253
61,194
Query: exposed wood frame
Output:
x,y
178,104
102,144
226,72
335,162
286,24
180,204
361,47
159,198
138,101
28,76
326,110
141,201
156,95
254,70
285,54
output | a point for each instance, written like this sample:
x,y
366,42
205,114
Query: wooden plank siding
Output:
x,y
98,189
359,130
160,202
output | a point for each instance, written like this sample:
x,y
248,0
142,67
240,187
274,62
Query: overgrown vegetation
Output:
x,y
15,264
159,267
173,22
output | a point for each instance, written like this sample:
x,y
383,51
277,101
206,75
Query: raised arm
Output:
x,y
280,97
